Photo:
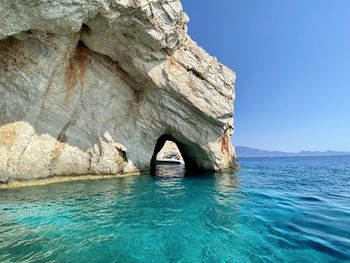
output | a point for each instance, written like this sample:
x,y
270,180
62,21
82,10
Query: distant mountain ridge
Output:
x,y
243,151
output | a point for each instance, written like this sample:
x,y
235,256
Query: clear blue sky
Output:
x,y
292,60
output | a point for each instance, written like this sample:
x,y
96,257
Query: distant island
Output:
x,y
243,151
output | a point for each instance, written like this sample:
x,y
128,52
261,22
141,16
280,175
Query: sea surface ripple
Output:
x,y
272,210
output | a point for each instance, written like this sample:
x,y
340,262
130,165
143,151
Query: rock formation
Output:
x,y
169,151
97,86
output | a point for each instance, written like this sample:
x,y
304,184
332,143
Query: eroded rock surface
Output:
x,y
169,151
89,86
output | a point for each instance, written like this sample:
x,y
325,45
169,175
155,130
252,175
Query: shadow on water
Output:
x,y
168,171
224,184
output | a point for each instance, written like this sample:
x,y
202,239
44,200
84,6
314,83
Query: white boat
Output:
x,y
169,161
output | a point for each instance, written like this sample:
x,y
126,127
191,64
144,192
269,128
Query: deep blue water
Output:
x,y
272,210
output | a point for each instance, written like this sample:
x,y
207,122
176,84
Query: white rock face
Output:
x,y
92,86
169,151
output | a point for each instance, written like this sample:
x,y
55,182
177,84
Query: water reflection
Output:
x,y
226,182
170,171
227,189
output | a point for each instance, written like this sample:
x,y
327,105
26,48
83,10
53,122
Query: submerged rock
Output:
x,y
95,87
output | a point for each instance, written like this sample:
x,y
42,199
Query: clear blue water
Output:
x,y
272,210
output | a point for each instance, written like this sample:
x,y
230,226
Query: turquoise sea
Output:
x,y
272,210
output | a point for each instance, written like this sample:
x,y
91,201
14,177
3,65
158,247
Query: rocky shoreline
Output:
x,y
59,179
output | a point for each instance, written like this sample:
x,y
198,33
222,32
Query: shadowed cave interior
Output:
x,y
190,163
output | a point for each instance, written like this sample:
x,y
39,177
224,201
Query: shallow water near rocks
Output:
x,y
272,210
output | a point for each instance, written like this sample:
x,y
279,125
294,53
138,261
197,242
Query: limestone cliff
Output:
x,y
98,86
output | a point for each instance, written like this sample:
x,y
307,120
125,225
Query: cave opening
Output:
x,y
171,154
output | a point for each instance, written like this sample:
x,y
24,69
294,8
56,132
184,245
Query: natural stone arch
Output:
x,y
90,90
188,151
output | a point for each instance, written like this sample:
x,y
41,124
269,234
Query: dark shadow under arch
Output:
x,y
190,163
